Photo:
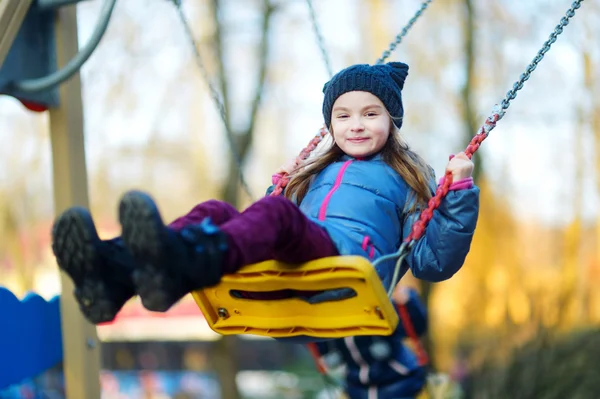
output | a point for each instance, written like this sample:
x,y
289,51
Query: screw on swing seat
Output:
x,y
223,313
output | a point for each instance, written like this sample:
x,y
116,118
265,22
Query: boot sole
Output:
x,y
144,234
74,243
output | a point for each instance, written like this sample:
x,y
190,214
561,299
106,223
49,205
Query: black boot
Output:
x,y
100,270
169,264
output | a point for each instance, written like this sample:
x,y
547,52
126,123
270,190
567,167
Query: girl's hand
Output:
x,y
460,166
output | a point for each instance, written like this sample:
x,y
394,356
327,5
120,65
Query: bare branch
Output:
x,y
262,73
222,78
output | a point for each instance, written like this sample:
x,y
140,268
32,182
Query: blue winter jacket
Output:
x,y
362,205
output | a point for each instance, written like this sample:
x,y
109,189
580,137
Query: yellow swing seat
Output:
x,y
370,312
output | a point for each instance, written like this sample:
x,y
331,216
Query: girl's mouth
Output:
x,y
358,139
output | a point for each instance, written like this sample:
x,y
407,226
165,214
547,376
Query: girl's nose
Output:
x,y
357,125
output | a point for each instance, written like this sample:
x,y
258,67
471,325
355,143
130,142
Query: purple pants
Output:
x,y
271,228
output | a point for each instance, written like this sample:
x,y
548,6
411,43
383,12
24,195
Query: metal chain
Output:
x,y
418,228
319,35
386,53
403,33
214,94
512,94
323,131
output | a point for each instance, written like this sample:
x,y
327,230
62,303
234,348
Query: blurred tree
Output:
x,y
242,137
592,84
224,361
468,91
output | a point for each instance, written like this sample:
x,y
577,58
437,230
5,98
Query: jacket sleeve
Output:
x,y
444,246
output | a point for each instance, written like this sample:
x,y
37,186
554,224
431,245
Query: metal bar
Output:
x,y
12,14
75,63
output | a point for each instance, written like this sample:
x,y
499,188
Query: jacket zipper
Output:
x,y
336,185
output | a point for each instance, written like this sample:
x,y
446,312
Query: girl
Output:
x,y
359,198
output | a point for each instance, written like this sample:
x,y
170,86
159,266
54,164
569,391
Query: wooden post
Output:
x,y
12,13
80,342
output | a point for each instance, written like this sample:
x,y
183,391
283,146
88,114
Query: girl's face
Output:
x,y
360,123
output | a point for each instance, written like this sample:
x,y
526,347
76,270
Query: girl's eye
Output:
x,y
342,116
371,114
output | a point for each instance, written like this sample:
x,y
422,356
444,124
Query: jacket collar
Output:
x,y
374,157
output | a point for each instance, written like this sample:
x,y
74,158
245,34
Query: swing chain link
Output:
x,y
403,33
214,94
418,227
319,35
512,94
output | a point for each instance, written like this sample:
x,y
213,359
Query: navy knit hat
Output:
x,y
385,81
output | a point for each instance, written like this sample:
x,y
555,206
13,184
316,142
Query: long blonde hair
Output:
x,y
396,153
